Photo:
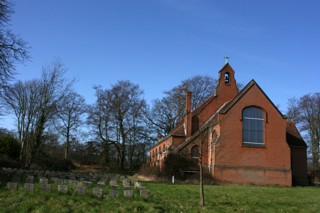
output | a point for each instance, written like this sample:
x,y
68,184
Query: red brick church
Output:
x,y
245,138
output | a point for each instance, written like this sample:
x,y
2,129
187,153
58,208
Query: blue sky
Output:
x,y
158,43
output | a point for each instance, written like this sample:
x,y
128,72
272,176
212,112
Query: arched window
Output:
x,y
253,126
226,78
195,153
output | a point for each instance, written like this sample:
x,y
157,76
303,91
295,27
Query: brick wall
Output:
x,y
261,165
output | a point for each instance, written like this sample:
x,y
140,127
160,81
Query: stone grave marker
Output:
x,y
46,187
73,182
29,187
113,182
122,178
66,181
43,181
114,191
97,192
80,189
126,182
59,181
137,185
12,186
101,184
128,192
30,179
63,188
87,183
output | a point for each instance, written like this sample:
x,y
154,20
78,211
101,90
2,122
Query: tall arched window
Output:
x,y
253,126
195,153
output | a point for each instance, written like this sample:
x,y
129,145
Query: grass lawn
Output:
x,y
168,198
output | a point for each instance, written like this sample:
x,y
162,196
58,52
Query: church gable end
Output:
x,y
246,139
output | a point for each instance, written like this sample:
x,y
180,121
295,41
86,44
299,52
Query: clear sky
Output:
x,y
158,43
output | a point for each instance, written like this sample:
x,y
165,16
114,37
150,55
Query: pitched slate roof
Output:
x,y
212,120
293,136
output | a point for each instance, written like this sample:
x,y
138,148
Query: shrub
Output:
x,y
9,146
147,170
176,165
57,163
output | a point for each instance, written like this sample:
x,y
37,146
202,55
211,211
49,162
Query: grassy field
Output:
x,y
168,198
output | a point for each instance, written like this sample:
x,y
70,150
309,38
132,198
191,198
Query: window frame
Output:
x,y
194,158
258,131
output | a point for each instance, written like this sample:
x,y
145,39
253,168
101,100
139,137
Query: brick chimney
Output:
x,y
188,115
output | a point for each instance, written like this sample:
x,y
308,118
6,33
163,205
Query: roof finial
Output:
x,y
227,59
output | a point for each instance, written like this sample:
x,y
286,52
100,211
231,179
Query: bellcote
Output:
x,y
226,86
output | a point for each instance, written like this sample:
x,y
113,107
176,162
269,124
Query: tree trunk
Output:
x,y
201,177
67,144
106,153
123,145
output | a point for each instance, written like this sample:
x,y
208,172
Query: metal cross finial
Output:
x,y
227,59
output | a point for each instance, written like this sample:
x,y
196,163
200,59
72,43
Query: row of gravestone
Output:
x,y
81,189
30,187
81,186
7,172
128,189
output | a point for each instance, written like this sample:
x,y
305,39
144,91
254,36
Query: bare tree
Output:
x,y
12,48
293,112
203,136
168,111
306,113
100,119
34,103
69,118
127,103
117,118
22,99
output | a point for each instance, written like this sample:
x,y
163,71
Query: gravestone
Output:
x,y
66,181
29,187
126,182
101,184
128,192
114,191
63,188
73,182
97,192
43,181
137,185
46,187
144,193
12,186
59,181
113,182
80,189
87,183
30,179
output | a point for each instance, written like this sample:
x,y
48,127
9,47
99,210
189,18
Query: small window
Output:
x,y
253,126
195,154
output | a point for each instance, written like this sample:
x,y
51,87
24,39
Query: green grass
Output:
x,y
168,198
